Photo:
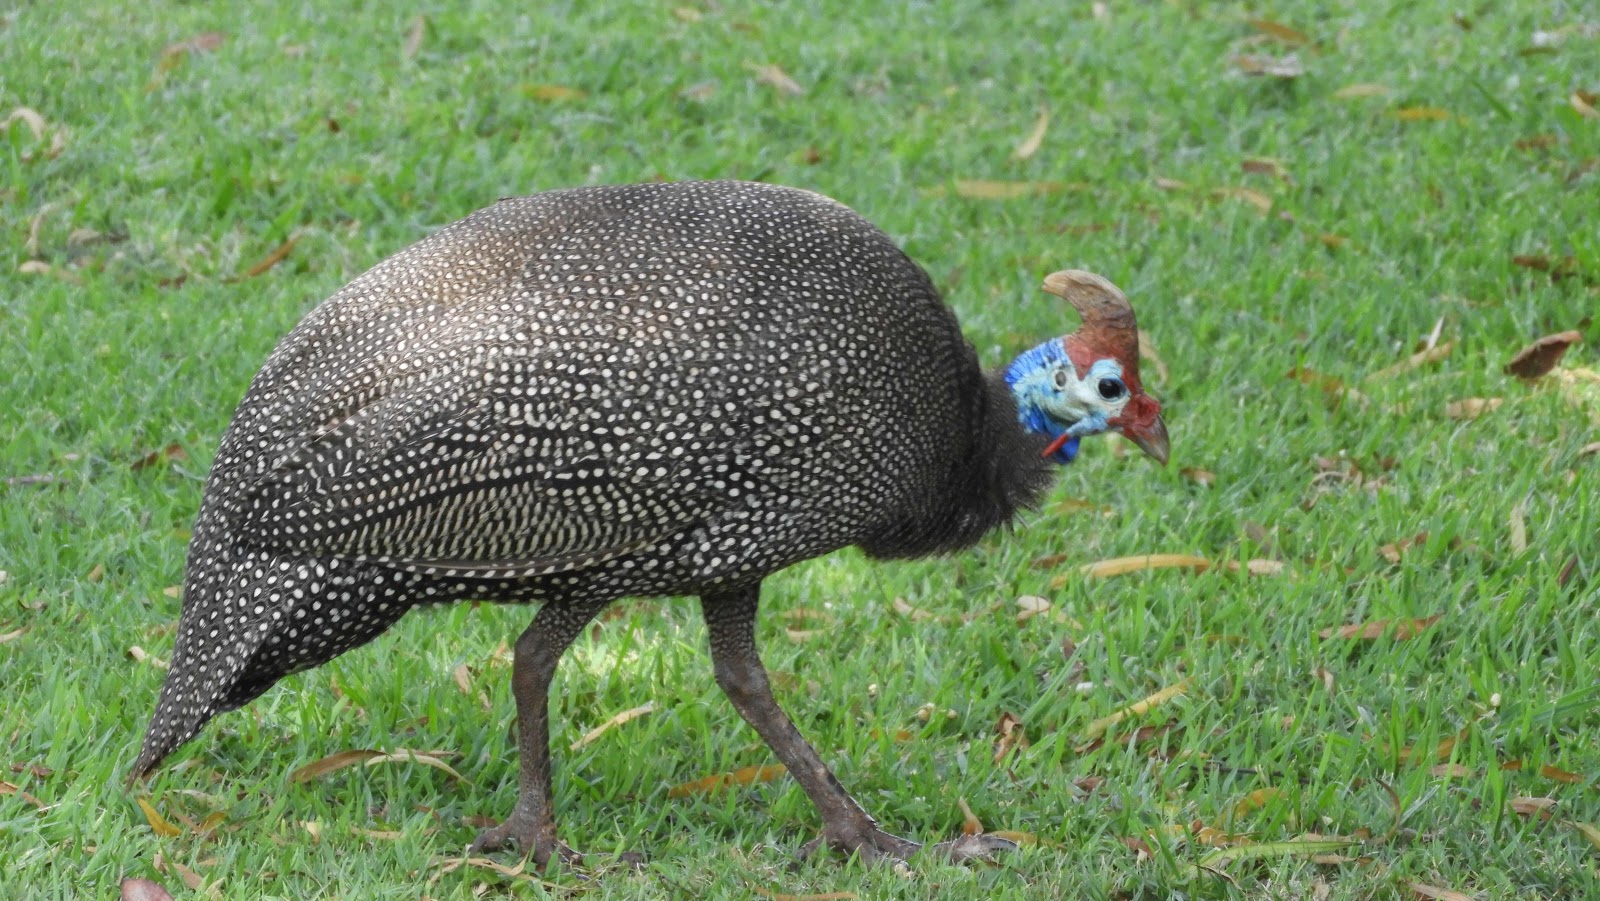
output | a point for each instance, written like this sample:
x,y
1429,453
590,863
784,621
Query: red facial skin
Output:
x,y
1140,421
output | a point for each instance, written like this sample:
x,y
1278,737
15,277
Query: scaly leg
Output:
x,y
532,826
846,827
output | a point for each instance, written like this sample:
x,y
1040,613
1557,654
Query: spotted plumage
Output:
x,y
663,389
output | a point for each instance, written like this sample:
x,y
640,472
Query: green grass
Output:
x,y
312,120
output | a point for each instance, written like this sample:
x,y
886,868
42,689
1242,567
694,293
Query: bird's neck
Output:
x,y
1003,471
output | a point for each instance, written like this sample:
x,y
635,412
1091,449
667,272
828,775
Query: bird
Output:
x,y
585,394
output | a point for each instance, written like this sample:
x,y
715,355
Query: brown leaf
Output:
x,y
1453,770
1029,606
1469,408
173,55
190,878
1170,184
1140,849
1518,527
1118,566
143,890
625,716
158,823
1416,361
745,776
687,14
1541,356
1422,890
172,453
1560,775
1358,91
1280,32
1251,196
1284,67
1202,477
1256,800
414,36
1589,832
29,117
1030,145
1261,165
1379,628
1259,567
769,74
1011,735
463,678
368,758
278,255
970,824
1536,142
915,614
7,788
1533,807
1421,114
37,771
13,635
1139,708
1441,751
1584,103
553,93
389,835
801,635
988,189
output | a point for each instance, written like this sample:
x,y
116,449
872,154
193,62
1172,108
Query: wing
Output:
x,y
497,462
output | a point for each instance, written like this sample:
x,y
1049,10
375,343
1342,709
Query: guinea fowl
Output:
x,y
661,389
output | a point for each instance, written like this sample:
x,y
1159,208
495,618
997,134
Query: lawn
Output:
x,y
1338,223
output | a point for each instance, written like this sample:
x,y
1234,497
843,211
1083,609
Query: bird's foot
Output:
x,y
535,838
872,844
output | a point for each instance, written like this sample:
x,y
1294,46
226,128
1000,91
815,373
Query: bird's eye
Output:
x,y
1111,389
1061,378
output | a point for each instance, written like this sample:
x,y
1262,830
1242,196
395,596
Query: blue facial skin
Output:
x,y
1031,377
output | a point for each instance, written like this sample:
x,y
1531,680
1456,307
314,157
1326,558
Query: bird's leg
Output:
x,y
532,826
846,827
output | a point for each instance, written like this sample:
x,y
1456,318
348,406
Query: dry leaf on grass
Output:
x,y
1394,550
746,776
1560,775
1029,606
172,453
190,878
1280,32
1441,751
278,255
1285,67
1255,198
1452,770
1470,408
1256,850
1379,628
1423,890
1030,145
414,36
7,788
1011,735
1583,102
1533,807
1358,91
991,189
970,824
1335,389
1415,361
13,635
1202,477
158,823
463,679
1518,527
1541,356
1256,800
1587,831
1261,165
1118,566
554,93
1138,708
1421,114
623,717
769,74
369,757
915,614
173,55
143,890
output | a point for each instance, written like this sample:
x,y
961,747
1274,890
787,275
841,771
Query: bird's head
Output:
x,y
1087,382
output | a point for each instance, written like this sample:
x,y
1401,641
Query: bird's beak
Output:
x,y
1152,438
